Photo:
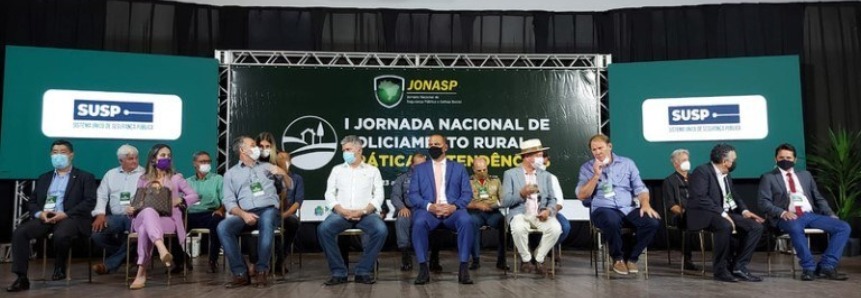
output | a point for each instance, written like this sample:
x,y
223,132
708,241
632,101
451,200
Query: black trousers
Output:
x,y
63,231
733,252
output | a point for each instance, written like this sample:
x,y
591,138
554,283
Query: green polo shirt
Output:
x,y
209,189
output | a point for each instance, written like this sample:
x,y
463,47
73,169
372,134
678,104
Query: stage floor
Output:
x,y
574,278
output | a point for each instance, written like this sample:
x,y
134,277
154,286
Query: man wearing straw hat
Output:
x,y
528,193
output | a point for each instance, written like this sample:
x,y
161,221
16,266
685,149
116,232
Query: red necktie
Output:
x,y
792,189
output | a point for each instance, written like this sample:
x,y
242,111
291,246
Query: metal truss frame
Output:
x,y
230,58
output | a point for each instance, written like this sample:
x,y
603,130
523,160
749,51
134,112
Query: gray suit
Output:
x,y
514,180
403,225
520,223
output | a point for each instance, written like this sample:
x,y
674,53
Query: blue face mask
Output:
x,y
349,157
60,161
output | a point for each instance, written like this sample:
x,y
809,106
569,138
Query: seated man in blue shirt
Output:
x,y
611,181
250,196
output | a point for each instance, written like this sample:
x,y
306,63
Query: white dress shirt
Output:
x,y
354,188
440,196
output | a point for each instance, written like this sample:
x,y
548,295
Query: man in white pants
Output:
x,y
528,193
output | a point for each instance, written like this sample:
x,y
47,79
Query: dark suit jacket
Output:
x,y
80,198
423,189
706,197
773,198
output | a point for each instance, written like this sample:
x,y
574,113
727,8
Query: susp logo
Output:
x,y
111,115
113,111
742,117
714,114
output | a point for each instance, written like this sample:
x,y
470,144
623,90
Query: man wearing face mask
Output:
x,y
117,189
527,192
208,212
404,218
251,197
61,204
484,210
792,202
439,193
675,192
715,205
354,192
611,182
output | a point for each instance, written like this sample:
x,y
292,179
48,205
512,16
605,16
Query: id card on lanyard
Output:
x,y
256,185
607,185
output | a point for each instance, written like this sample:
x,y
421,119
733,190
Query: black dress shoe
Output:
x,y
20,284
213,267
435,266
502,266
725,277
746,276
336,280
463,275
830,274
475,265
424,275
59,273
807,275
406,261
691,266
364,279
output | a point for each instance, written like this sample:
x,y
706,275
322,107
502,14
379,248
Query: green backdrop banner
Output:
x,y
482,113
101,100
753,104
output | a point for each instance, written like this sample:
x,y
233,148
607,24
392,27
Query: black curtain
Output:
x,y
825,35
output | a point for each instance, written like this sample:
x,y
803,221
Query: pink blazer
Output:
x,y
177,185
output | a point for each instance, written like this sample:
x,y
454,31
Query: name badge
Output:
x,y
607,189
125,198
257,189
50,203
482,193
730,202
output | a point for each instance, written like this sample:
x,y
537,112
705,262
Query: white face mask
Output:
x,y
255,153
266,153
685,166
539,163
605,161
205,168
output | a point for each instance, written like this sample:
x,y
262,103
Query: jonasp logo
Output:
x,y
712,114
389,90
113,111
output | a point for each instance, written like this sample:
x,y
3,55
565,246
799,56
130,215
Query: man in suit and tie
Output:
x,y
439,193
715,205
61,204
527,191
792,203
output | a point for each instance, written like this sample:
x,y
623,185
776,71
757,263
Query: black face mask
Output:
x,y
731,168
435,152
785,164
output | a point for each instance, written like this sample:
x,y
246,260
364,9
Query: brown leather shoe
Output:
x,y
262,280
527,267
632,267
620,267
539,269
252,271
100,269
238,281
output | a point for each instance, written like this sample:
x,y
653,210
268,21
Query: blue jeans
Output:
x,y
837,229
372,242
230,228
113,239
566,227
494,220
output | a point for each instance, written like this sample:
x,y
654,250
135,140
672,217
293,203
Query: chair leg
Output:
x,y
170,248
128,251
682,266
703,250
90,259
44,259
646,251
